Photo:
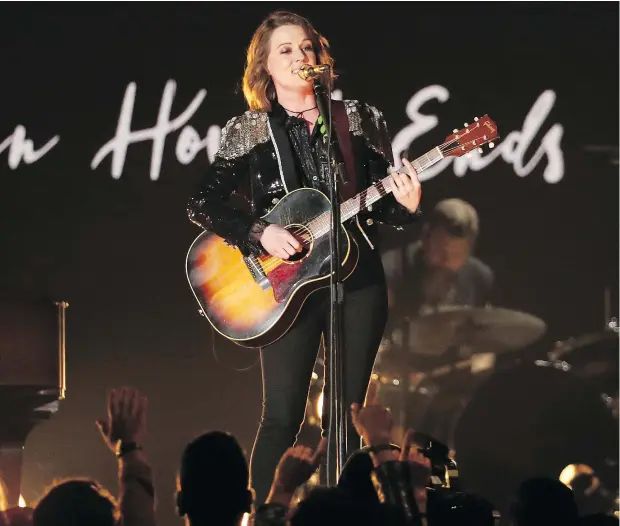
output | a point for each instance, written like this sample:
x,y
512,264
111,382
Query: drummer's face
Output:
x,y
445,251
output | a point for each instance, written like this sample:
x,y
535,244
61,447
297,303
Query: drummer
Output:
x,y
439,270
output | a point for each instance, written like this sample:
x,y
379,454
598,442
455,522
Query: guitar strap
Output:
x,y
341,125
284,151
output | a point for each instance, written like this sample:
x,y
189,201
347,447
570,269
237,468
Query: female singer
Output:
x,y
280,124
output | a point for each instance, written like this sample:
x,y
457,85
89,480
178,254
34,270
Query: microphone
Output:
x,y
308,72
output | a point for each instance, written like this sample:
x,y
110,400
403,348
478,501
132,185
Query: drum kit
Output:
x,y
485,386
507,409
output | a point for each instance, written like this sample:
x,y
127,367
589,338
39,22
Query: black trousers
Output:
x,y
287,367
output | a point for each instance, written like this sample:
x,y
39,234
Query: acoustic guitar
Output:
x,y
254,300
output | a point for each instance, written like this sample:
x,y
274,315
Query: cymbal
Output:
x,y
473,330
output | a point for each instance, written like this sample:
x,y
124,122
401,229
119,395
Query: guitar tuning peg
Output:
x,y
466,125
479,150
454,131
491,145
475,119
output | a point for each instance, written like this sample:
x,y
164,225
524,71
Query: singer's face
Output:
x,y
289,48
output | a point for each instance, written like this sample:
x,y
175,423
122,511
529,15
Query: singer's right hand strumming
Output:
x,y
279,242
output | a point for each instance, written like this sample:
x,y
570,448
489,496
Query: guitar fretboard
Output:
x,y
350,208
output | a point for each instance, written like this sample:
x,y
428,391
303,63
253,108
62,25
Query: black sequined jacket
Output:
x,y
249,164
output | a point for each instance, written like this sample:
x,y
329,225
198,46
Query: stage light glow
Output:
x,y
22,502
572,471
319,406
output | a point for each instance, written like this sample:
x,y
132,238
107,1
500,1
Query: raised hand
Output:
x,y
372,422
296,466
126,417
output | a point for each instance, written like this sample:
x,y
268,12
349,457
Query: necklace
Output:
x,y
300,114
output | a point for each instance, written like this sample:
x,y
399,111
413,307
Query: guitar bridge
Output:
x,y
258,274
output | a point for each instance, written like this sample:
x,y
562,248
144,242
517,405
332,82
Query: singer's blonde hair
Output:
x,y
258,88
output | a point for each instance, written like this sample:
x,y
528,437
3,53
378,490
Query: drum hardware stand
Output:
x,y
611,323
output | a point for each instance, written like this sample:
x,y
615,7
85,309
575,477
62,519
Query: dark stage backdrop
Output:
x,y
109,116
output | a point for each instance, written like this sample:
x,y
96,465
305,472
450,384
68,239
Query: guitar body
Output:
x,y
254,301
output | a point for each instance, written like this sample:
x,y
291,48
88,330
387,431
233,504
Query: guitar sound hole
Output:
x,y
304,236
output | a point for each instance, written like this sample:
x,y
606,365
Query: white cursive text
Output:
x,y
511,149
188,143
22,149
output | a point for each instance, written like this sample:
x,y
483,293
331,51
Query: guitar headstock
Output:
x,y
471,137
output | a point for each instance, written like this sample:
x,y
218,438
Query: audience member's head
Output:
x,y
459,509
76,503
335,507
591,495
542,501
214,480
597,519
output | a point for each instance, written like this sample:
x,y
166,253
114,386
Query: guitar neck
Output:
x,y
371,195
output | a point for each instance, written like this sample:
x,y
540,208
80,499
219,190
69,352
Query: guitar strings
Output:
x,y
386,182
269,263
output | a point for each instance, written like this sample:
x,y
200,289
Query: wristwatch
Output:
x,y
122,448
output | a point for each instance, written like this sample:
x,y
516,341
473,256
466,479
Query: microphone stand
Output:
x,y
335,360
